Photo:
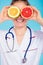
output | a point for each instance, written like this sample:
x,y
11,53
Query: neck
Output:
x,y
20,31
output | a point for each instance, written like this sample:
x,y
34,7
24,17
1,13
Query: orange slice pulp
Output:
x,y
13,12
27,12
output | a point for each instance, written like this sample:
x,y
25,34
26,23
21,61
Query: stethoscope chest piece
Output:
x,y
24,60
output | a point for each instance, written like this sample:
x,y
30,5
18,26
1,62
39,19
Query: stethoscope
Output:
x,y
11,50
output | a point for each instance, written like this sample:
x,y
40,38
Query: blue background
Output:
x,y
32,24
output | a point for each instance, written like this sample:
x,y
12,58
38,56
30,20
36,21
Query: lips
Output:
x,y
20,19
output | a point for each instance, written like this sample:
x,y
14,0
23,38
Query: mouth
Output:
x,y
20,20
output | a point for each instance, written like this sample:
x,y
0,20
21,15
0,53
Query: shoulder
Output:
x,y
3,33
38,37
39,34
2,39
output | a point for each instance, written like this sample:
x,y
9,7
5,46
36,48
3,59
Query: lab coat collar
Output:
x,y
26,35
26,38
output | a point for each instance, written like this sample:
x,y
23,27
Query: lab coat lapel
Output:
x,y
24,44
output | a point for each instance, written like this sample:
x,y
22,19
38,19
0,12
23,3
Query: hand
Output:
x,y
3,15
36,15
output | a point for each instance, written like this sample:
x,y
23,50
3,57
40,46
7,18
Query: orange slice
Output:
x,y
27,12
13,12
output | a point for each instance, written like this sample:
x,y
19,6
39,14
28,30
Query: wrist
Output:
x,y
40,21
1,19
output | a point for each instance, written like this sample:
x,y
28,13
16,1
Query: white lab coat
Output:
x,y
15,57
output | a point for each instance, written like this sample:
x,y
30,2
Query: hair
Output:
x,y
20,0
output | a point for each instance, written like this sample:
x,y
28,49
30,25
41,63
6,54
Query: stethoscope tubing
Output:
x,y
11,50
12,37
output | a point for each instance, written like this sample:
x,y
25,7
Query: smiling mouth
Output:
x,y
20,19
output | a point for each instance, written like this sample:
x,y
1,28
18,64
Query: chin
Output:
x,y
20,26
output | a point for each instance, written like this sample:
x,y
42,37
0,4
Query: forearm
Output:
x,y
1,19
40,21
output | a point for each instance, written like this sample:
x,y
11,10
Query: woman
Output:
x,y
19,51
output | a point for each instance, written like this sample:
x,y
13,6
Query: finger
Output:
x,y
36,10
8,18
5,8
